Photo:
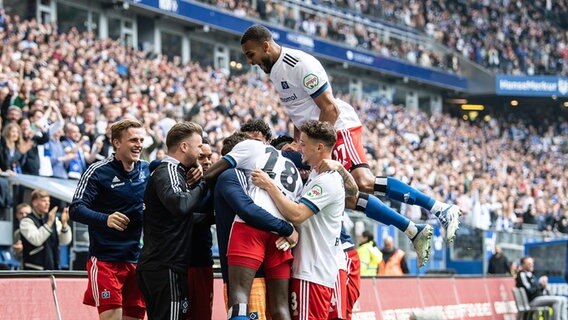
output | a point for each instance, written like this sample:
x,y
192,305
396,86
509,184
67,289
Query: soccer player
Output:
x,y
318,216
304,89
200,271
109,199
346,290
170,201
246,257
231,199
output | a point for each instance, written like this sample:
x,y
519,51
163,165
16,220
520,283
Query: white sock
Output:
x,y
411,230
438,206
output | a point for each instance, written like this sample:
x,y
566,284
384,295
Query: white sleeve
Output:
x,y
243,155
64,236
312,76
321,191
36,236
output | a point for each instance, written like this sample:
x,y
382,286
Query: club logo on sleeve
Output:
x,y
311,81
315,191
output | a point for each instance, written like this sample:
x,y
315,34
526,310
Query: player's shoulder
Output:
x,y
250,143
327,175
103,166
295,58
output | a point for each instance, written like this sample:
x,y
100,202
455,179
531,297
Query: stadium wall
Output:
x,y
394,298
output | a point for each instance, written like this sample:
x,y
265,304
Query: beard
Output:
x,y
267,64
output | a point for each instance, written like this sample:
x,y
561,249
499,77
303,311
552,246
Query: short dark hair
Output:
x,y
320,130
257,125
258,33
525,258
118,128
206,140
231,141
181,131
369,236
280,141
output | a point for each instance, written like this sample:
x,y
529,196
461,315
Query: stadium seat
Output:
x,y
525,311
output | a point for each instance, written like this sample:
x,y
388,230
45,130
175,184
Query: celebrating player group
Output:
x,y
279,206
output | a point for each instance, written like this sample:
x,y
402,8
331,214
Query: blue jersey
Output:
x,y
102,190
231,199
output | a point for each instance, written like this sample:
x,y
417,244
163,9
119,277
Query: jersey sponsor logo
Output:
x,y
116,182
105,294
315,191
285,85
288,99
311,81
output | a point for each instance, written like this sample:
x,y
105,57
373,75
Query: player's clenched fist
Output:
x,y
117,221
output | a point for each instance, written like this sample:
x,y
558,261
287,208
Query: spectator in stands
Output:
x,y
369,255
562,222
537,290
222,102
59,158
13,115
498,263
11,143
72,144
22,211
394,259
42,232
32,141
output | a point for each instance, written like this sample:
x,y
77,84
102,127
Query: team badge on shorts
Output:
x,y
184,306
253,315
105,294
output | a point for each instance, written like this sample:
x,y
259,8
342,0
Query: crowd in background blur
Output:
x,y
505,36
59,92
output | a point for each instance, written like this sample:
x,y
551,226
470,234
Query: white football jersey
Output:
x,y
317,257
299,78
253,154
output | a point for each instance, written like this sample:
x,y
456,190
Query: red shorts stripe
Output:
x,y
339,297
309,301
349,148
353,280
113,285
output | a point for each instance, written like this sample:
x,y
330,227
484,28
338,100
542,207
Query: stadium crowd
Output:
x,y
60,91
510,37
335,28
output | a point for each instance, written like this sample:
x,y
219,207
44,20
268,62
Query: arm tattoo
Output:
x,y
351,188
